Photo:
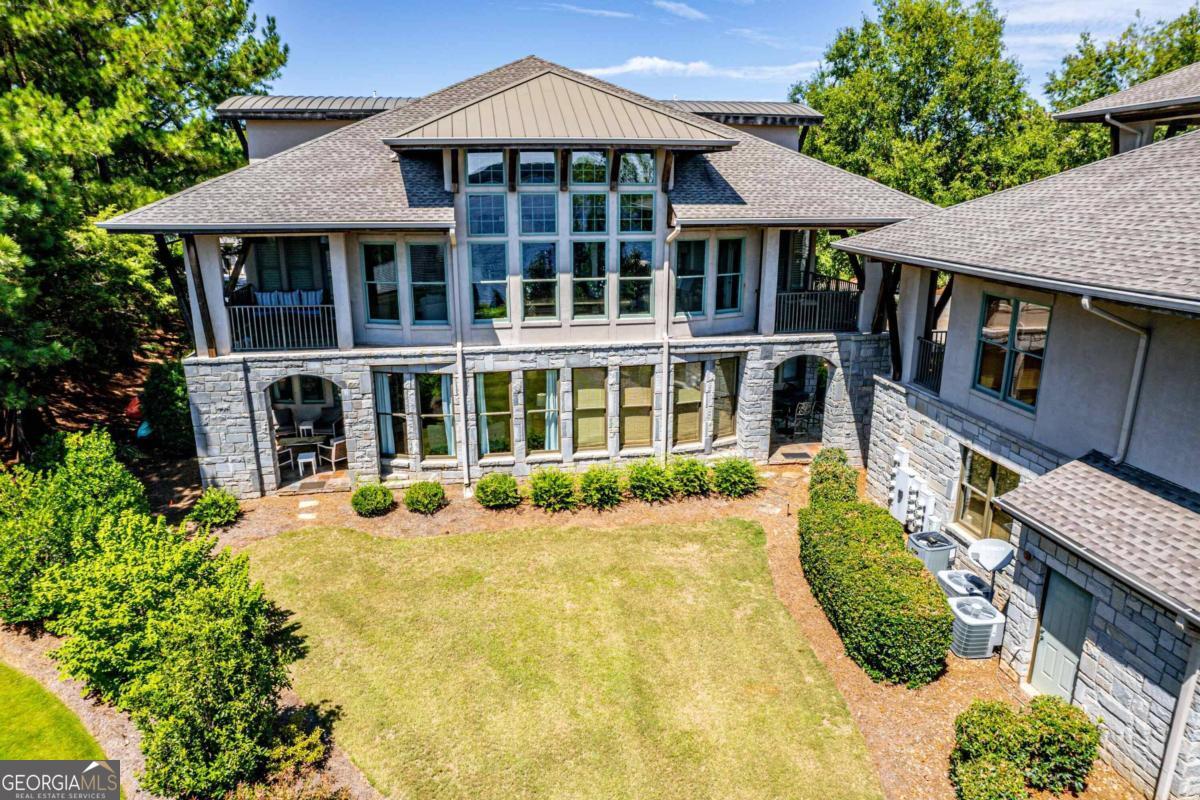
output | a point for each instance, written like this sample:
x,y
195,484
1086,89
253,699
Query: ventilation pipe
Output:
x,y
1135,381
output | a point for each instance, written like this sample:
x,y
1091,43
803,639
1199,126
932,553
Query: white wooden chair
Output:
x,y
333,452
284,457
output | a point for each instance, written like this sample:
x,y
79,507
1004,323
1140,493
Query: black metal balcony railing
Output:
x,y
282,327
829,304
931,353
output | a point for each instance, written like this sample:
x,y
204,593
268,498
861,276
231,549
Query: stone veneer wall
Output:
x,y
231,408
1133,662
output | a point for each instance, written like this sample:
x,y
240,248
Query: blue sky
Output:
x,y
693,49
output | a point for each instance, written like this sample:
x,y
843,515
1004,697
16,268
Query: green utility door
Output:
x,y
1065,613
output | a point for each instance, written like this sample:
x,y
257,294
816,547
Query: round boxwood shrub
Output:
x,y
553,490
216,508
831,479
989,728
497,490
600,487
735,477
990,778
372,500
690,477
1063,744
424,497
648,481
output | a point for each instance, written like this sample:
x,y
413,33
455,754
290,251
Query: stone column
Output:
x,y
340,290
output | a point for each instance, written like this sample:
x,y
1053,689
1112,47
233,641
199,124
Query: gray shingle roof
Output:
x,y
1178,88
1126,228
1131,523
280,106
750,112
350,179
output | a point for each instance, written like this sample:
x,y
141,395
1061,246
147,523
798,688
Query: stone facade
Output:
x,y
234,439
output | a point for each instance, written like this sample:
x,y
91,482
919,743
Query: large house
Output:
x,y
529,267
1056,405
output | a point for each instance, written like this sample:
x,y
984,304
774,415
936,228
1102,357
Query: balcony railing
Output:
x,y
283,327
931,353
830,304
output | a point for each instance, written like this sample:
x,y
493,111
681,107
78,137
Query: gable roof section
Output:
x,y
279,106
1133,524
1126,228
1179,90
555,107
750,112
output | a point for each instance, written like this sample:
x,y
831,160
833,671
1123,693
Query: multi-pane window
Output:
x,y
536,167
589,279
589,166
485,214
493,410
485,169
538,213
539,281
688,385
427,276
282,391
725,395
729,275
689,276
436,414
637,406
636,279
391,423
541,411
312,390
489,281
290,263
636,168
590,419
636,213
1012,348
382,280
981,482
589,213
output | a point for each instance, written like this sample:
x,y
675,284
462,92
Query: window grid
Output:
x,y
636,213
381,279
637,406
485,168
691,258
427,280
589,280
636,169
981,481
536,168
485,214
539,280
538,213
391,415
725,394
542,403
489,281
435,414
589,167
635,287
688,385
590,418
589,212
1011,349
729,276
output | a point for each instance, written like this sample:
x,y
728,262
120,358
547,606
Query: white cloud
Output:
x,y
592,12
682,10
761,37
653,65
1085,12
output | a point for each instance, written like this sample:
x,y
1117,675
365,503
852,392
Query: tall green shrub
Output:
x,y
735,477
553,490
165,406
892,617
831,479
1063,745
600,487
690,477
648,481
498,490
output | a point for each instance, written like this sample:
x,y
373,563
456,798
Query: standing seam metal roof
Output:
x,y
261,106
726,110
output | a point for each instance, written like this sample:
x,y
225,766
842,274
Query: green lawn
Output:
x,y
651,662
37,724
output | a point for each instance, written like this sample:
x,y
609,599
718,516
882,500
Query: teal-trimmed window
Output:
x,y
427,277
539,280
1011,349
312,390
589,212
981,481
635,291
636,213
538,213
485,168
282,391
589,279
489,281
729,275
493,412
589,167
381,277
690,257
637,169
536,168
485,214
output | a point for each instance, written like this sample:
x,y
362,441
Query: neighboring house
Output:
x,y
532,266
1059,409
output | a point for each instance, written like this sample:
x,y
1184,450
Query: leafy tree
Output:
x,y
925,99
1142,51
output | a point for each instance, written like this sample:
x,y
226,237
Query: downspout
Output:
x,y
1183,709
460,366
1122,126
666,344
1135,382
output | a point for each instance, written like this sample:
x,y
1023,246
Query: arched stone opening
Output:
x,y
800,391
305,447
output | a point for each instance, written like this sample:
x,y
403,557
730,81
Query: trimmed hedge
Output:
x,y
735,477
216,508
690,477
372,500
831,479
990,778
498,490
648,481
425,497
553,490
600,487
1063,745
890,613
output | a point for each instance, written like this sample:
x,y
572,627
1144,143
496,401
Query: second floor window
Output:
x,y
637,168
589,213
539,280
981,482
485,169
427,275
489,281
589,279
1011,349
690,259
636,213
689,401
382,280
541,411
589,167
493,410
636,279
485,214
729,275
538,213
536,168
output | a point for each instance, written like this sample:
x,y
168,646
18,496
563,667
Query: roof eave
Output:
x,y
302,116
1167,302
1182,104
797,222
760,119
116,226
426,143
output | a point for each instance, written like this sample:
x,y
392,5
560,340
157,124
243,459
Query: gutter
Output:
x,y
1088,116
798,222
666,343
114,226
1135,382
460,366
1130,130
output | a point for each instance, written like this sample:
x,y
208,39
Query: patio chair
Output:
x,y
802,417
285,424
333,452
284,456
329,423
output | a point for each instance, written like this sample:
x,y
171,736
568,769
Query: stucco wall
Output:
x,y
266,137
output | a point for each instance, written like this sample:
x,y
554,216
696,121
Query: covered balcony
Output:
x,y
807,301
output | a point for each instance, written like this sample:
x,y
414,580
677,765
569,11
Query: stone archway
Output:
x,y
798,398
